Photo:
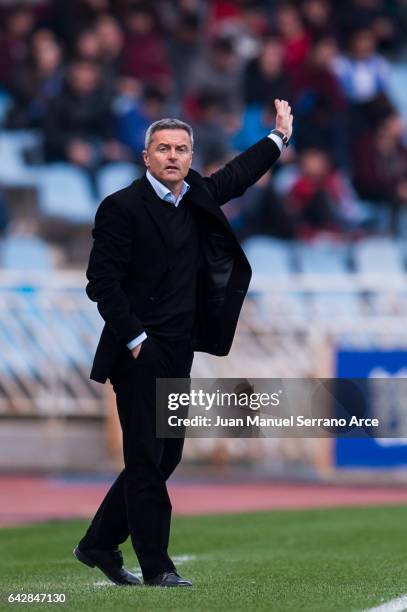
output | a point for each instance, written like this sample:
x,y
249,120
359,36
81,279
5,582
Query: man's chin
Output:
x,y
172,177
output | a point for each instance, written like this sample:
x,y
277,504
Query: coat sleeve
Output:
x,y
108,264
242,171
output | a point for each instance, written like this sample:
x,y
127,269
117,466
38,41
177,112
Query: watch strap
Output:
x,y
283,137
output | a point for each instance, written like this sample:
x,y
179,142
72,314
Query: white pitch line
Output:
x,y
394,605
181,559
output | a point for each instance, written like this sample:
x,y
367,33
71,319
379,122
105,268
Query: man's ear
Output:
x,y
145,158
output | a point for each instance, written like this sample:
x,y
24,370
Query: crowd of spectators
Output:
x,y
91,75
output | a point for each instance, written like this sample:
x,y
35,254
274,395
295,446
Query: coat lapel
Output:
x,y
200,197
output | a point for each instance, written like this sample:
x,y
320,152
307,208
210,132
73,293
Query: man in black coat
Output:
x,y
169,278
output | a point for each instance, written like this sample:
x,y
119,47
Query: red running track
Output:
x,y
32,499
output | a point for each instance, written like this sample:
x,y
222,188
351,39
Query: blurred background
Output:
x,y
325,231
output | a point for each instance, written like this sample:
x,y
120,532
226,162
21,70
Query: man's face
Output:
x,y
169,156
84,78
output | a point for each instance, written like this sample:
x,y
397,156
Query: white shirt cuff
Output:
x,y
136,341
277,140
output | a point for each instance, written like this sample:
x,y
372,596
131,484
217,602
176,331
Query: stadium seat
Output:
x,y
328,257
112,177
378,255
334,304
268,256
402,226
24,252
5,103
13,169
322,257
398,86
379,215
65,192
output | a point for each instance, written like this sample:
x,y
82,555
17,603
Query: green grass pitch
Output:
x,y
285,561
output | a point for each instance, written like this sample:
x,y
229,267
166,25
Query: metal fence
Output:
x,y
48,333
49,330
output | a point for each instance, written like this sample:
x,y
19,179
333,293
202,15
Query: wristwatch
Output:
x,y
283,137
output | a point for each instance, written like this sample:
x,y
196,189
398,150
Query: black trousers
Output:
x,y
137,504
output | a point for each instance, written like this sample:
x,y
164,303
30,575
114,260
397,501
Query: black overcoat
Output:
x,y
131,255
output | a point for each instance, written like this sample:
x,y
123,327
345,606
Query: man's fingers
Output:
x,y
282,107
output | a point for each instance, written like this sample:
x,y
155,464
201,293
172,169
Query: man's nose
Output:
x,y
172,153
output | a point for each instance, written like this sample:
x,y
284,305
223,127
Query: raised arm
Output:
x,y
244,170
108,265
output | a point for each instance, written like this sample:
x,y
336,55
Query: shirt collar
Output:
x,y
163,192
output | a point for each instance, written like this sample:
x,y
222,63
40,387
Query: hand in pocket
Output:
x,y
136,350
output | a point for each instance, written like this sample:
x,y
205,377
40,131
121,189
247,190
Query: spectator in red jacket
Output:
x,y
320,198
144,55
296,39
317,75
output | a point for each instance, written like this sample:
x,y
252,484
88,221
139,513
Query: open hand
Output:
x,y
284,118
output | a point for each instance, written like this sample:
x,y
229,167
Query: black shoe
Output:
x,y
110,562
168,579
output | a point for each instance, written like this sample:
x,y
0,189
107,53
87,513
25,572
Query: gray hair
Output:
x,y
167,124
